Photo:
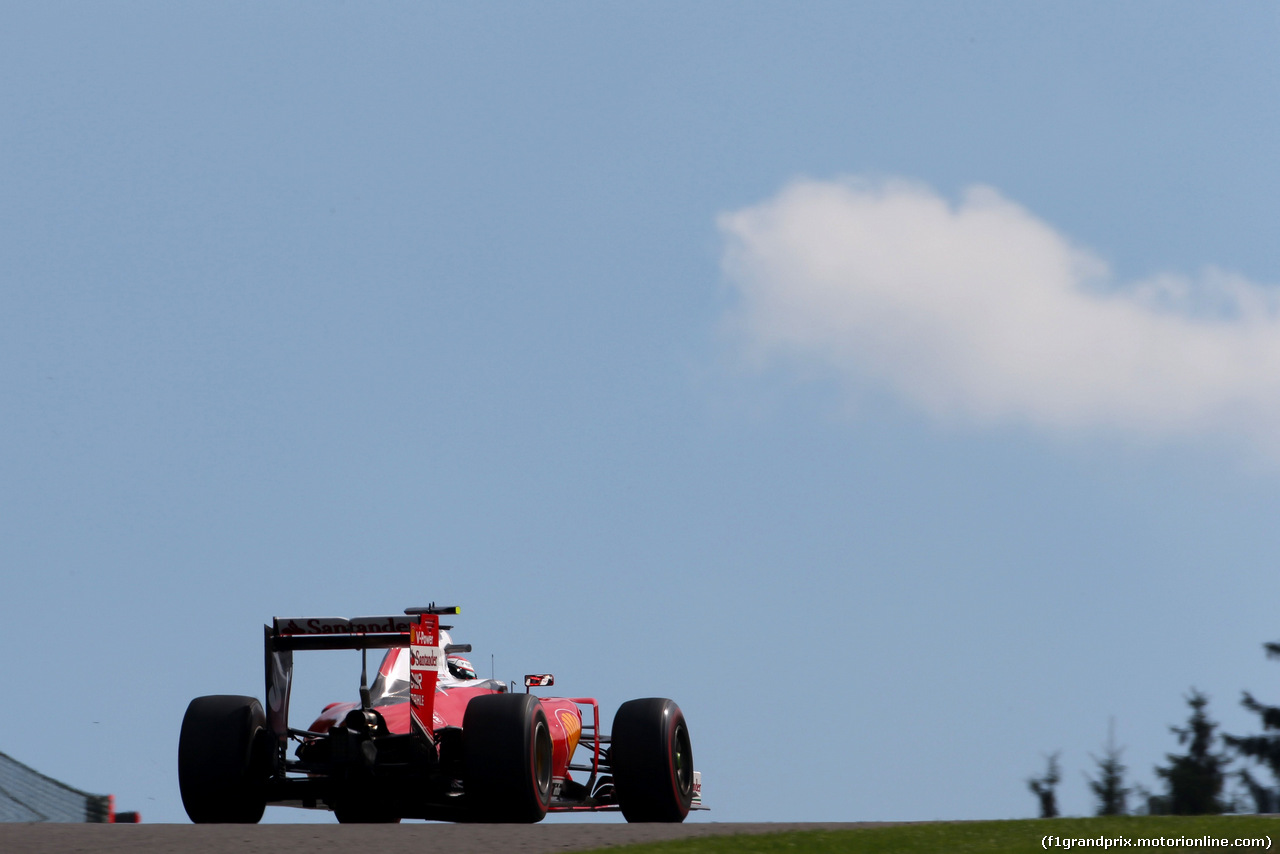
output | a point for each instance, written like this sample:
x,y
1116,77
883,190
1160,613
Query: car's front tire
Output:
x,y
223,760
651,758
508,758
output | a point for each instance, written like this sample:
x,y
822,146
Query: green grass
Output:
x,y
988,837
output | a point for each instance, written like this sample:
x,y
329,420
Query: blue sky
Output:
x,y
889,384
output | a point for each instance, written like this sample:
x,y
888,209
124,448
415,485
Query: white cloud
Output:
x,y
981,312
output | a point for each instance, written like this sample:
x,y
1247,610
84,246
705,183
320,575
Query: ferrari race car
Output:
x,y
428,740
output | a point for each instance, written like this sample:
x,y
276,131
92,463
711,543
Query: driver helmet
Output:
x,y
460,668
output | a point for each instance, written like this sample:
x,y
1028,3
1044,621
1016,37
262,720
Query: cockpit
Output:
x,y
391,685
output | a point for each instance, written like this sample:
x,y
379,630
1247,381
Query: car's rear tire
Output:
x,y
224,760
651,758
507,758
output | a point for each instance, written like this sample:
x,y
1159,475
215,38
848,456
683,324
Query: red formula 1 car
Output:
x,y
428,740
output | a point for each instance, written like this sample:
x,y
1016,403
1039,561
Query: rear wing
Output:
x,y
340,633
286,634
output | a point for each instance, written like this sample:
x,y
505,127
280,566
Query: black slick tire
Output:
x,y
223,760
507,758
651,758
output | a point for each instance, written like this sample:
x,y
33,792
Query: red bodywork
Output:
x,y
564,719
433,704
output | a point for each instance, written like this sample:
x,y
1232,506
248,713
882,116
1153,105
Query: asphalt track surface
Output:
x,y
324,838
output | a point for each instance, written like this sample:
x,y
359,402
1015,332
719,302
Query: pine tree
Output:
x,y
1195,779
1150,803
1264,748
1043,788
1109,788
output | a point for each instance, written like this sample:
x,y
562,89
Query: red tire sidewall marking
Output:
x,y
671,745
